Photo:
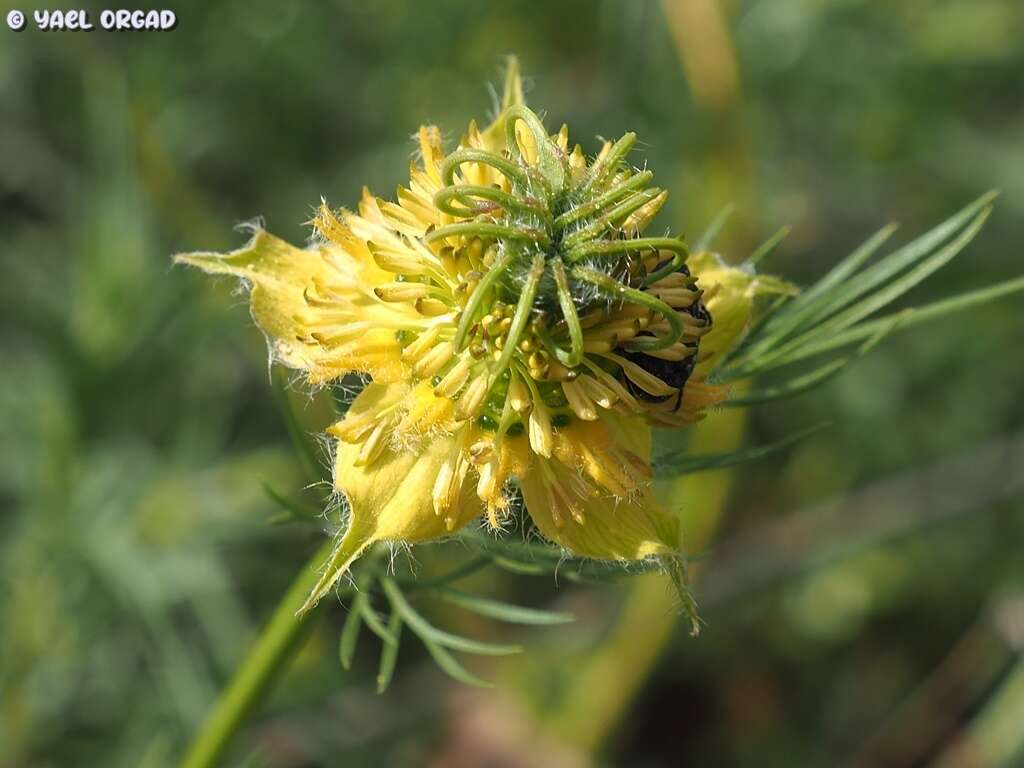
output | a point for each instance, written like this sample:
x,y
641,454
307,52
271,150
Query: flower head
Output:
x,y
520,331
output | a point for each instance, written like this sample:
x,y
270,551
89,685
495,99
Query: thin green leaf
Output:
x,y
427,631
795,386
389,653
374,624
792,350
752,336
882,272
682,463
494,609
815,297
514,547
517,566
768,247
459,572
820,375
451,667
911,317
896,288
705,241
350,631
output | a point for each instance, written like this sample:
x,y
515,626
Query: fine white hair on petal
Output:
x,y
252,226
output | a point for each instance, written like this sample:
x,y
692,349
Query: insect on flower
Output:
x,y
521,334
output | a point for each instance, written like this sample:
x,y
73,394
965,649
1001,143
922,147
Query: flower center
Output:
x,y
561,303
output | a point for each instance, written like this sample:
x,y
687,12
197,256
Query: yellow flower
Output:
x,y
519,330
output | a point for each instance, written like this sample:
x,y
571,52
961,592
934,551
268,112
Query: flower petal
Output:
x,y
405,494
570,501
306,333
732,293
493,136
608,528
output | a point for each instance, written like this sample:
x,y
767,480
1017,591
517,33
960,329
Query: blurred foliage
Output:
x,y
862,596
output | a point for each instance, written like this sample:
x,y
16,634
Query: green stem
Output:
x,y
259,669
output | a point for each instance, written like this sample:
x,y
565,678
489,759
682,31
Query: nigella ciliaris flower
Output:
x,y
521,334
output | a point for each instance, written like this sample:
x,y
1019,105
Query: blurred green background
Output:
x,y
863,591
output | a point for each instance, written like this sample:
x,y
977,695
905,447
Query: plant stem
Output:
x,y
259,669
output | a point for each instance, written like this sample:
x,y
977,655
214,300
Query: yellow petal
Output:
x,y
606,527
396,498
732,293
303,332
493,137
569,500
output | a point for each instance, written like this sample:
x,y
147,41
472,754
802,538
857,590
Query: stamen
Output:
x,y
373,446
623,395
454,380
408,291
421,345
430,307
474,395
441,494
599,393
519,394
580,402
343,333
674,353
648,382
434,361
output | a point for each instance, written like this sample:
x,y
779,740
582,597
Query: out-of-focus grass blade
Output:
x,y
911,317
389,653
494,609
350,631
682,463
706,240
995,737
768,247
375,625
427,631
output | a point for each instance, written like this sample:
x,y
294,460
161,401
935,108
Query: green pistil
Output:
x,y
632,295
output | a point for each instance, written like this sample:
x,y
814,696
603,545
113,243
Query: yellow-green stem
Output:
x,y
259,669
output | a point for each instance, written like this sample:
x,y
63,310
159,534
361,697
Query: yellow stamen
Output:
x,y
434,360
580,402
